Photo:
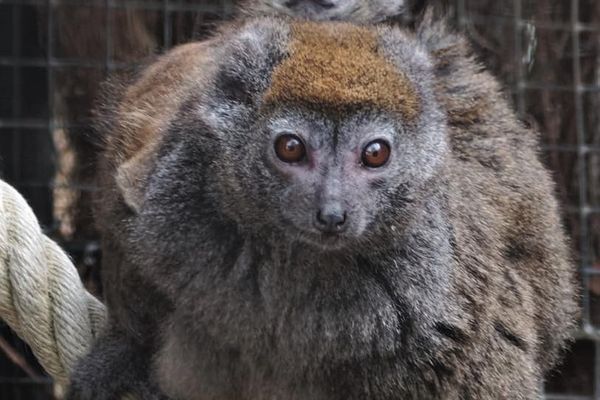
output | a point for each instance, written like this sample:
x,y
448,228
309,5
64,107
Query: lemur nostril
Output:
x,y
342,221
320,218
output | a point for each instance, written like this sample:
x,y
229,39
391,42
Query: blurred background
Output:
x,y
55,53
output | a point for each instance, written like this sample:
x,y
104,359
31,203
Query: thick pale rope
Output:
x,y
41,295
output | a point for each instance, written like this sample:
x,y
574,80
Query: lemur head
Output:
x,y
364,11
325,129
322,132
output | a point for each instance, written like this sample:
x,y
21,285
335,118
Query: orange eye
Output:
x,y
376,153
290,149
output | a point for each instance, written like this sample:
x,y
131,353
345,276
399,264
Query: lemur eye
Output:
x,y
376,153
290,148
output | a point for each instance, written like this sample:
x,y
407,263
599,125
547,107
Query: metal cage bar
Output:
x,y
508,34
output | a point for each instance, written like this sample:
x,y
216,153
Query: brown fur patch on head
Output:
x,y
338,66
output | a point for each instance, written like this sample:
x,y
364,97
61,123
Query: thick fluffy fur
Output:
x,y
453,280
361,11
309,76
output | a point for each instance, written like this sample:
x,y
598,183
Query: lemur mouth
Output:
x,y
324,241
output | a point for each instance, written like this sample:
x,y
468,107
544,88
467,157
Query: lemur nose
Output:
x,y
326,4
331,220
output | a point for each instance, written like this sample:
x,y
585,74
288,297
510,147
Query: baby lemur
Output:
x,y
307,211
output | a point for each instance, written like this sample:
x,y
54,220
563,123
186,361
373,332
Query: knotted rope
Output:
x,y
41,295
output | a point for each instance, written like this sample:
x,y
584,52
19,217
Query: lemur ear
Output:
x,y
248,59
132,178
434,32
233,87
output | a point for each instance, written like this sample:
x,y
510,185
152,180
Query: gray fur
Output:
x,y
361,11
453,281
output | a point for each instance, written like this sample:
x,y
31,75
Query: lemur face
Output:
x,y
325,132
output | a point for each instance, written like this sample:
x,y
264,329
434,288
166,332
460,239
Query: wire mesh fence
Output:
x,y
55,53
